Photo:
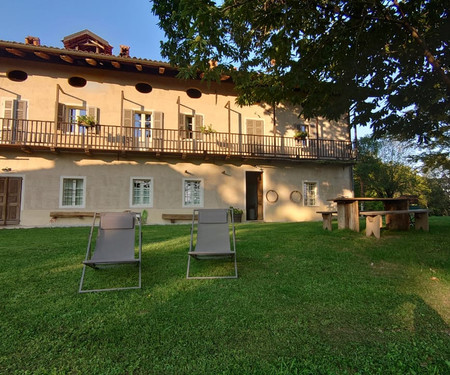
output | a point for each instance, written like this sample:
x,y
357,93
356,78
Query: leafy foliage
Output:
x,y
384,61
382,171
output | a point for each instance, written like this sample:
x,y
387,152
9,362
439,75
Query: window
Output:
x,y
15,109
302,134
72,192
141,192
142,122
192,193
310,193
68,116
190,126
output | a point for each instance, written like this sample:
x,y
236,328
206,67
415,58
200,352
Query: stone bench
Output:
x,y
177,217
374,219
327,216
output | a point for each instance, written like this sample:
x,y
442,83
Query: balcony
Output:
x,y
36,135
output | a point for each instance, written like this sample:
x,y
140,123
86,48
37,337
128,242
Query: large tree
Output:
x,y
383,61
383,170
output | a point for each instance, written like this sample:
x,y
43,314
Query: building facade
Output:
x,y
83,130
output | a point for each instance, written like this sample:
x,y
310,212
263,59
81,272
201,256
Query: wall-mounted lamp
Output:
x,y
226,173
187,172
6,169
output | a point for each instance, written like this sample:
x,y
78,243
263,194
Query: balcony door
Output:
x,y
254,195
10,195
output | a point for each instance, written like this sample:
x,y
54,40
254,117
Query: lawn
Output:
x,y
307,301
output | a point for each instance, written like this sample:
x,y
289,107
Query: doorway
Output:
x,y
10,194
254,195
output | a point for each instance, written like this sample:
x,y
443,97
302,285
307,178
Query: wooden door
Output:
x,y
254,196
10,195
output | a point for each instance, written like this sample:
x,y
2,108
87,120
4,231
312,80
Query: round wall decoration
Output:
x,y
143,87
296,196
271,196
193,93
77,81
17,75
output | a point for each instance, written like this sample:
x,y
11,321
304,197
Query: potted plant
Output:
x,y
237,213
85,120
300,135
207,129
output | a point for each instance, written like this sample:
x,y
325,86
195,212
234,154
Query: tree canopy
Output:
x,y
383,61
384,169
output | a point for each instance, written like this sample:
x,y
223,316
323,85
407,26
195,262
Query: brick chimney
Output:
x,y
124,51
35,41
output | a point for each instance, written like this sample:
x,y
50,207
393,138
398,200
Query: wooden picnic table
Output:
x,y
348,211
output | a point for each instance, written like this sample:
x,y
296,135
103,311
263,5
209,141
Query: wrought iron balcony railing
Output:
x,y
36,134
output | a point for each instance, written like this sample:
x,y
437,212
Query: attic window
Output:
x,y
144,88
194,93
17,75
77,81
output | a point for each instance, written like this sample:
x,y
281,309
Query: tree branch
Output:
x,y
416,36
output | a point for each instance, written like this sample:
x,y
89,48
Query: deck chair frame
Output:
x,y
88,263
212,254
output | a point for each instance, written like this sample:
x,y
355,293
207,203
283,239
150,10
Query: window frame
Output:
x,y
61,192
142,131
141,178
183,191
305,195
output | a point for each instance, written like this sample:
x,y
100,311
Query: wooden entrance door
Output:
x,y
254,196
10,193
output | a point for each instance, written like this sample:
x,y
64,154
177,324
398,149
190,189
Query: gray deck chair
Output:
x,y
115,244
212,239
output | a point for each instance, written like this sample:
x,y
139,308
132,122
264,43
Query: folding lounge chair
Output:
x,y
115,244
213,239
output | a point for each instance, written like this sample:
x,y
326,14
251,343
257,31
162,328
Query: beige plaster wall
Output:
x,y
104,90
108,185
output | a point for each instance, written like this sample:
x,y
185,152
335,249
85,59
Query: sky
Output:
x,y
132,25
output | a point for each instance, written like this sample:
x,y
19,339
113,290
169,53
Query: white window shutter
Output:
x,y
21,109
157,118
61,116
93,112
128,122
182,126
259,127
198,119
250,126
8,108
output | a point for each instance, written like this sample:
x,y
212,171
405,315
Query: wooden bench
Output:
x,y
178,217
327,216
374,219
70,214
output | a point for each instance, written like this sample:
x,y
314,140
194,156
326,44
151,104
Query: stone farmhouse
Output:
x,y
83,130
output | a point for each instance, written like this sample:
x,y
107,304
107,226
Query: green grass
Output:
x,y
307,301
